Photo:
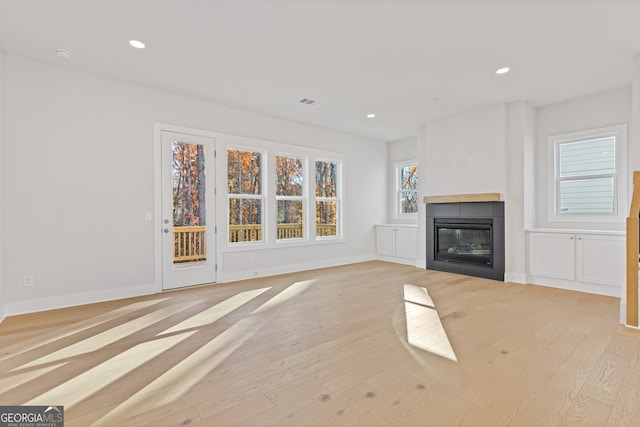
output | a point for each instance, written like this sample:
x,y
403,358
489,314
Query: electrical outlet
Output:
x,y
29,280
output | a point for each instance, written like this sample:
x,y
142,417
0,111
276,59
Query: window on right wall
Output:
x,y
406,189
588,175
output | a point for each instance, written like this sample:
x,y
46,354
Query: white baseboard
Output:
x,y
71,300
292,268
405,261
571,285
520,278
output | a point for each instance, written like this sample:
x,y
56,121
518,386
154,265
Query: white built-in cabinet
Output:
x,y
585,261
397,243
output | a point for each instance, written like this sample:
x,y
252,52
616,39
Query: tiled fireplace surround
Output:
x,y
467,209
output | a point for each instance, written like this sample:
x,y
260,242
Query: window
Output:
x,y
589,174
273,198
406,188
289,197
245,195
327,199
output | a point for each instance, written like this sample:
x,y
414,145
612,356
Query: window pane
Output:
x,y
188,176
189,204
245,220
244,174
409,178
288,176
587,196
588,157
408,202
289,219
326,179
326,219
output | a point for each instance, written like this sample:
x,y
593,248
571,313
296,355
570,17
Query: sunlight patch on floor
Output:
x,y
14,380
103,339
290,292
177,381
219,310
424,328
88,382
80,326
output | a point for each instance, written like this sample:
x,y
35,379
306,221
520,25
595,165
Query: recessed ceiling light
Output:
x,y
502,70
62,53
370,116
137,44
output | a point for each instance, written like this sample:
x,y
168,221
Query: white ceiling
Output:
x,y
407,61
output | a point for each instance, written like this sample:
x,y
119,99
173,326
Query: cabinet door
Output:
x,y
407,243
386,241
601,259
552,255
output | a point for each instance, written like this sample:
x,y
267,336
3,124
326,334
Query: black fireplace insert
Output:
x,y
466,238
469,241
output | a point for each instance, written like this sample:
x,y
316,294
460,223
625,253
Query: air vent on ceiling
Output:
x,y
307,101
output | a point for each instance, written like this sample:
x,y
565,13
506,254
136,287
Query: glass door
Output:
x,y
188,208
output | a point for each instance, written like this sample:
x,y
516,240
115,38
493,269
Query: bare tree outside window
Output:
x,y
245,194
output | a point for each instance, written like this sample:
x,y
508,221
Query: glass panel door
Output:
x,y
188,244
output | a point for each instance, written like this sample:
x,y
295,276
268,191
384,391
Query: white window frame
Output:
x,y
338,199
269,149
261,196
619,177
397,189
304,198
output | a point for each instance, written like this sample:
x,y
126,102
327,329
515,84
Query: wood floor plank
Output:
x,y
330,347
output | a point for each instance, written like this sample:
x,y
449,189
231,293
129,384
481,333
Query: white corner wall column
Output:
x,y
519,197
422,191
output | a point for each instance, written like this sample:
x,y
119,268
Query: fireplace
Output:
x,y
463,241
466,238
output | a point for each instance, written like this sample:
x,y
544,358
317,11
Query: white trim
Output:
x,y
620,180
293,268
397,260
339,199
304,198
262,197
82,298
572,285
397,166
520,278
158,128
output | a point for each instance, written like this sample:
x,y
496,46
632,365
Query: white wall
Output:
x,y
466,153
400,151
82,178
590,112
2,168
519,198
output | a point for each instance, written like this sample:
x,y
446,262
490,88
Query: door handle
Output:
x,y
166,230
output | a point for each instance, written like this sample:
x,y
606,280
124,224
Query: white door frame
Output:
x,y
157,223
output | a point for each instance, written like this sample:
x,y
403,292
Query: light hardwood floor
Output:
x,y
330,348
